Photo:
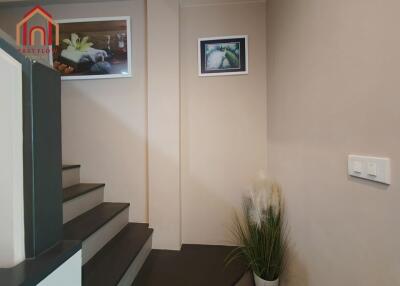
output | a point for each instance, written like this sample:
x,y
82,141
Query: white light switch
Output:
x,y
370,168
357,167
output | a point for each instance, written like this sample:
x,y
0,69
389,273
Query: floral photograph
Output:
x,y
93,48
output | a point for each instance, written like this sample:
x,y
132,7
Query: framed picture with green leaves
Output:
x,y
223,56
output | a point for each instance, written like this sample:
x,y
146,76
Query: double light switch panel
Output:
x,y
370,168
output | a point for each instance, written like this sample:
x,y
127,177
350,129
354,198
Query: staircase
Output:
x,y
113,250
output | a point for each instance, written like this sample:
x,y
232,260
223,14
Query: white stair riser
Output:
x,y
71,177
81,204
98,239
137,264
67,274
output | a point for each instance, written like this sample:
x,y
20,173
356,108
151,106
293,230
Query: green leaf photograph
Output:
x,y
223,56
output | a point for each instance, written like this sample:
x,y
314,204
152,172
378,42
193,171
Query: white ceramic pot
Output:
x,y
261,282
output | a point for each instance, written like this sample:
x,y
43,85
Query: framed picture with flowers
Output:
x,y
93,48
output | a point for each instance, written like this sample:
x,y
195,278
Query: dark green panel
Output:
x,y
42,153
47,162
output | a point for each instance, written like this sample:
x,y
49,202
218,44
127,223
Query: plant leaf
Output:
x,y
84,46
67,41
74,38
263,245
84,40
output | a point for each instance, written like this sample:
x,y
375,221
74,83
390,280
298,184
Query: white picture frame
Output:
x,y
126,74
243,68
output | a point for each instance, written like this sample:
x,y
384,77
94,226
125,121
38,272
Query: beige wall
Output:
x,y
333,90
220,124
104,121
223,121
163,122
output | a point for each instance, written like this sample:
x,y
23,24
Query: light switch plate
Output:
x,y
357,166
370,168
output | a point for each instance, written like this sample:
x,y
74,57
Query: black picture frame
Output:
x,y
219,56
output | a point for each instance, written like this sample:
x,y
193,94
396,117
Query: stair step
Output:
x,y
86,224
96,227
71,175
81,198
69,167
79,190
121,258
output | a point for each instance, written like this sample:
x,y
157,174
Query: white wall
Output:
x,y
333,90
12,239
104,124
223,120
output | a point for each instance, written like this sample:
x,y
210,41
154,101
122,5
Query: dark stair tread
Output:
x,y
109,265
68,167
89,222
78,190
32,271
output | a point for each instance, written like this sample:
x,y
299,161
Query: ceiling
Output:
x,y
216,2
183,2
43,2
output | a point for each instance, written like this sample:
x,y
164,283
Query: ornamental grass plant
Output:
x,y
261,232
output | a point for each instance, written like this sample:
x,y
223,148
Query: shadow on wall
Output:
x,y
108,144
296,273
369,184
104,129
102,139
246,280
211,219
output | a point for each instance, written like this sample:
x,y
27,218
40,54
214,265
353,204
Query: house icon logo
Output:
x,y
27,32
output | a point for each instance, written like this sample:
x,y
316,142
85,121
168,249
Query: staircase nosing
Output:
x,y
94,187
124,206
134,257
116,239
70,167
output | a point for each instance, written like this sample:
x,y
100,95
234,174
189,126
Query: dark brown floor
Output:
x,y
194,265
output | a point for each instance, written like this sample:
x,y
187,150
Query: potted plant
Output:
x,y
261,233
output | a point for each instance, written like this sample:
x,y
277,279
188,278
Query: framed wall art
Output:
x,y
93,48
223,56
